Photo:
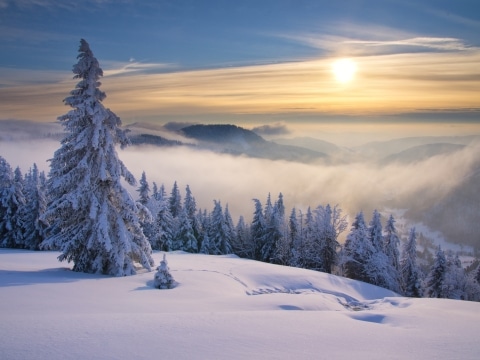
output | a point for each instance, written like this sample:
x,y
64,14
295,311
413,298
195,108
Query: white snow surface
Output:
x,y
223,307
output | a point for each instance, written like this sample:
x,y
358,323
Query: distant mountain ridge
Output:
x,y
421,152
235,140
382,149
222,133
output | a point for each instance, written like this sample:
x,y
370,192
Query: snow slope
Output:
x,y
223,308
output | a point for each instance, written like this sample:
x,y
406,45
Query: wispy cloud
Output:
x,y
443,44
390,83
272,129
118,69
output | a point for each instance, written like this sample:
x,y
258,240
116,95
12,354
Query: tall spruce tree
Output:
x,y
330,224
12,202
164,227
434,283
143,190
358,251
175,201
410,278
35,192
391,243
258,229
184,237
95,220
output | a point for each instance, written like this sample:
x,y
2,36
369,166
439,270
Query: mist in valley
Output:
x,y
420,188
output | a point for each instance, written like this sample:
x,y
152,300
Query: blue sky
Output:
x,y
236,51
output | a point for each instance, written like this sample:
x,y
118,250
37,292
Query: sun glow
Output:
x,y
344,70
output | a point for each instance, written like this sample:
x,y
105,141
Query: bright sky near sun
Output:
x,y
249,61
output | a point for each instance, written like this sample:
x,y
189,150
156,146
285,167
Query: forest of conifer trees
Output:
x,y
172,222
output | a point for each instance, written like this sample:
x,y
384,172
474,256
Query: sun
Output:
x,y
344,70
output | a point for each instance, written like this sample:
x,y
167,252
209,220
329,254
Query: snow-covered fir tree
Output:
x,y
12,202
294,237
218,232
274,231
35,192
243,245
310,258
163,278
164,228
312,234
330,224
229,228
473,284
379,268
185,239
175,201
434,283
455,283
410,273
391,243
148,208
358,251
143,190
375,231
297,234
190,206
94,219
258,229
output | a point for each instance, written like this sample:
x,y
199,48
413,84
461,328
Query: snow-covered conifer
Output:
x,y
185,237
258,228
35,192
190,206
218,232
391,243
434,283
330,224
293,234
455,282
164,228
375,231
297,239
410,278
283,242
473,285
229,228
94,220
358,251
243,245
11,207
163,279
143,190
175,201
274,232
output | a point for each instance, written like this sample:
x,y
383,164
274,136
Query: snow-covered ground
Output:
x,y
223,308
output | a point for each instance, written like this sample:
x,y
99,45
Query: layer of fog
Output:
x,y
237,180
355,187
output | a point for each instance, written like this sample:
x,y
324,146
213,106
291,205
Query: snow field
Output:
x,y
223,307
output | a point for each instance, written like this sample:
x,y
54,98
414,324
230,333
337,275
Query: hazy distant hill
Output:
x,y
223,134
420,153
456,215
239,141
148,139
311,143
381,149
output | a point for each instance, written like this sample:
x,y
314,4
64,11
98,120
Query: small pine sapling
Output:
x,y
163,279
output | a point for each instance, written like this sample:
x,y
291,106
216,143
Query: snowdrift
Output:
x,y
223,307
